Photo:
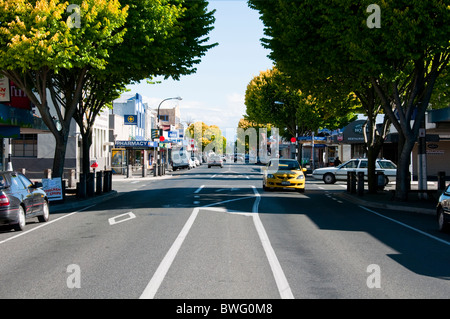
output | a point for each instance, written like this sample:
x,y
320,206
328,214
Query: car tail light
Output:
x,y
4,200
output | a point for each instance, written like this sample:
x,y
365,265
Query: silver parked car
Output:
x,y
332,174
443,210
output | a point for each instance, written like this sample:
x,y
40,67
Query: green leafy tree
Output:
x,y
271,99
40,39
159,38
243,139
207,137
441,95
401,60
165,38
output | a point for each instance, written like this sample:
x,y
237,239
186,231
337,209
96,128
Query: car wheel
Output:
x,y
329,178
45,213
442,224
21,217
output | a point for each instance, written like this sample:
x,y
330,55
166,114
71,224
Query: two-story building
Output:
x,y
131,124
26,143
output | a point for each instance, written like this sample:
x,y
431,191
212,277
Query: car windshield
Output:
x,y
284,165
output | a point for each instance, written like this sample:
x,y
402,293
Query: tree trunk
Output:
x,y
86,145
60,154
403,180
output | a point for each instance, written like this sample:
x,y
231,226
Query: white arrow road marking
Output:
x,y
113,220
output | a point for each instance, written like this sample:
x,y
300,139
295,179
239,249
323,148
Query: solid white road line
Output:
x,y
158,277
43,225
278,273
280,279
407,226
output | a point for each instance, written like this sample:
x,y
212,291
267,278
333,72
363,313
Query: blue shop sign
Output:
x,y
130,119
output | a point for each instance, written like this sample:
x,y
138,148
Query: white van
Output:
x,y
180,159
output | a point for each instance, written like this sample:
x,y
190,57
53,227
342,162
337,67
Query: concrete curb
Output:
x,y
382,205
78,204
71,205
139,178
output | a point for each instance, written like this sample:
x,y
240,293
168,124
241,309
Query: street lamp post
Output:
x,y
159,166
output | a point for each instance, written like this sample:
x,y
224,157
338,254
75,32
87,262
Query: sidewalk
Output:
x,y
384,200
73,203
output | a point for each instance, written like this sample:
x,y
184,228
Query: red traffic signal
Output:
x,y
293,139
161,138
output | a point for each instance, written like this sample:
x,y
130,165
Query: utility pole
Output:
x,y
422,161
159,168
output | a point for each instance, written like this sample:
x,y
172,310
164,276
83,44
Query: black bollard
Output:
x,y
352,182
90,185
81,187
360,183
99,182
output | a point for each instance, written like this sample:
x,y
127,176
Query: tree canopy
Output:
x,y
40,41
400,56
207,137
271,99
71,49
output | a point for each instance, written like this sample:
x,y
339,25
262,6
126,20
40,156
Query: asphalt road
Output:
x,y
214,234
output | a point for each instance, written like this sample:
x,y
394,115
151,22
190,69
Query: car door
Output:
x,y
37,197
350,166
362,167
22,193
388,168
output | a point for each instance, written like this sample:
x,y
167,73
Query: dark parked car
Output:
x,y
443,210
21,199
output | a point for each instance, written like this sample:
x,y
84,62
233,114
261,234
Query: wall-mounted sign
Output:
x,y
5,89
130,119
172,134
136,144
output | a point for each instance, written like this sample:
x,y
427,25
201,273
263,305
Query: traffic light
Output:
x,y
155,134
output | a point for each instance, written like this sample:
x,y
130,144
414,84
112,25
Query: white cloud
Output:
x,y
226,116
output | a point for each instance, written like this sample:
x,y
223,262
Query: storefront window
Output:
x,y
25,146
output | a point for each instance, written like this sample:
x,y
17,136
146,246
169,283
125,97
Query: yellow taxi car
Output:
x,y
284,173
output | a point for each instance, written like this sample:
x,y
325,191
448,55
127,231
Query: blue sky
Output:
x,y
215,94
